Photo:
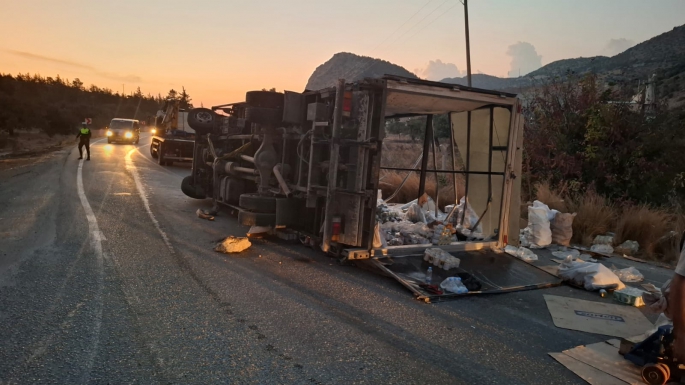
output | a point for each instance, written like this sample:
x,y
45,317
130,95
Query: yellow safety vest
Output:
x,y
85,131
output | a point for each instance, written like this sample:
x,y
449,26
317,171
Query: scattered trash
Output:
x,y
538,223
521,253
441,258
586,258
630,296
591,276
602,249
202,214
562,228
258,231
232,245
602,293
454,285
628,248
429,275
573,253
629,274
656,299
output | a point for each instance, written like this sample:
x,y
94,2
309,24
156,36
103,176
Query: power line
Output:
x,y
400,27
420,21
432,21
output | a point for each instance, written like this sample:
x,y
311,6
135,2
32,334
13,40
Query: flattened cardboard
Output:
x,y
596,317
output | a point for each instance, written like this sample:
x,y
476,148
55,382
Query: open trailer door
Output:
x,y
485,138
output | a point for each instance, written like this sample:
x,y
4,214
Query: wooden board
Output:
x,y
605,357
596,317
592,375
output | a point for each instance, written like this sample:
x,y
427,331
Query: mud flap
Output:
x,y
482,271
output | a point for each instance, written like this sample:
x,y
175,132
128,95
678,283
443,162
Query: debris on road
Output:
x,y
521,253
602,249
233,245
562,228
454,285
201,214
441,258
591,276
573,253
628,248
630,296
629,274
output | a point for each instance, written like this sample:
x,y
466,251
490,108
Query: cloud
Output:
x,y
108,75
616,46
437,70
34,56
524,59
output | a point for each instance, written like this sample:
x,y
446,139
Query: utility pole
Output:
x,y
468,44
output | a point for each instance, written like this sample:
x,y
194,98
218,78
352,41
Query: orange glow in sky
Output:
x,y
220,49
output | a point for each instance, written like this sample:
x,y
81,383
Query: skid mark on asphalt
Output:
x,y
96,238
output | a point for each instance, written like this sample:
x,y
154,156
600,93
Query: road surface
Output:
x,y
108,276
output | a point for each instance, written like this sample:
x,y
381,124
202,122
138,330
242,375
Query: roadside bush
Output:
x,y
595,216
644,224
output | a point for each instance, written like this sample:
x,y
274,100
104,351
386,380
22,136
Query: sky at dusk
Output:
x,y
220,49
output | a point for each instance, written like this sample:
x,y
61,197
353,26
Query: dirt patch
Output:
x,y
30,143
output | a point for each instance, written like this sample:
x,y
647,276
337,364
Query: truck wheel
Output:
x,y
257,203
190,190
264,116
153,154
265,99
249,218
160,154
201,119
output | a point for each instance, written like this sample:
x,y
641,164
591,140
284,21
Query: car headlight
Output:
x,y
109,133
128,135
154,131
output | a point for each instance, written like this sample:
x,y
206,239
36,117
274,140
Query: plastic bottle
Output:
x,y
429,275
602,293
461,289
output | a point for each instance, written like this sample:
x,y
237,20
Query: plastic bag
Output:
x,y
521,253
416,214
538,222
629,274
628,248
573,253
454,285
470,218
440,258
602,249
603,240
562,228
592,276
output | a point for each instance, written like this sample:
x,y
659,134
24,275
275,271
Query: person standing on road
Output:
x,y
84,140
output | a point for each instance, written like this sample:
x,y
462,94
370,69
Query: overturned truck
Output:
x,y
310,166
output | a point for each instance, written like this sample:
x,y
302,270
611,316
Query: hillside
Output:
x,y
351,67
663,55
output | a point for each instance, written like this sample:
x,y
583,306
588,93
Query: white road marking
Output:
x,y
95,236
141,191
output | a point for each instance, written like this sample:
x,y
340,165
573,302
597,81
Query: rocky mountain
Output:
x,y
351,67
663,55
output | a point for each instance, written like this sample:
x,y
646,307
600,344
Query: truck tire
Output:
x,y
265,99
190,190
153,154
257,203
264,116
249,218
202,120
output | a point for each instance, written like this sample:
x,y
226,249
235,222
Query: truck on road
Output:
x,y
309,165
173,138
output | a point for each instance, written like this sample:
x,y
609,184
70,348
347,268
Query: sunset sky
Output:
x,y
220,49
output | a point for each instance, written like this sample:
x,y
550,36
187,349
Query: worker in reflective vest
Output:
x,y
84,140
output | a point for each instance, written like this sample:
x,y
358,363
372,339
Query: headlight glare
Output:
x,y
109,133
128,135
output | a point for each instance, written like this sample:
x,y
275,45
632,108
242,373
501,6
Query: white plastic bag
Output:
x,y
454,285
629,274
538,223
470,218
602,249
592,276
563,254
521,253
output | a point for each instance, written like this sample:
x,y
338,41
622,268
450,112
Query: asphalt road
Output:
x,y
119,284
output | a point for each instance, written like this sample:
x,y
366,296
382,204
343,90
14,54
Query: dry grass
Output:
x,y
643,224
551,197
595,216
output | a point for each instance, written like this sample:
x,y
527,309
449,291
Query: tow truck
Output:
x,y
308,166
173,138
